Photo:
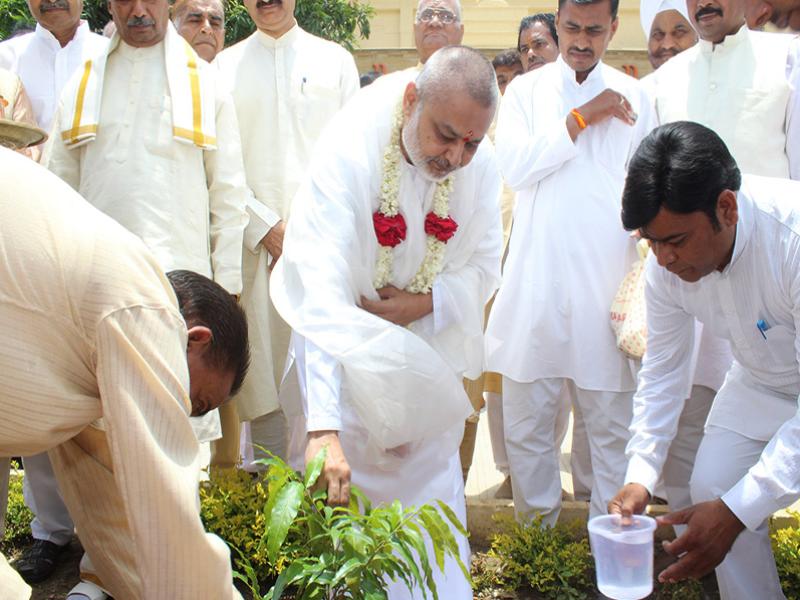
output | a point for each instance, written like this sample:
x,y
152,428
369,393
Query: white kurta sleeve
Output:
x,y
664,382
64,162
527,152
793,109
321,379
773,482
456,290
227,196
350,82
262,219
142,378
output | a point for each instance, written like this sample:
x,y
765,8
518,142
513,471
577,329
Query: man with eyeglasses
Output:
x,y
436,25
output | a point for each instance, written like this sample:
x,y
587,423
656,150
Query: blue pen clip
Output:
x,y
762,326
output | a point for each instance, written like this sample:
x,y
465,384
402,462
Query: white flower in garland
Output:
x,y
390,226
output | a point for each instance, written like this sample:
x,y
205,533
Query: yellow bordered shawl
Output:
x,y
191,92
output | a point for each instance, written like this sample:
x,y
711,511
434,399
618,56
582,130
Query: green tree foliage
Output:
x,y
303,547
342,21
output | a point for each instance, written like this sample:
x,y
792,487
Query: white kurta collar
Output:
x,y
568,74
728,44
48,39
136,54
287,39
744,226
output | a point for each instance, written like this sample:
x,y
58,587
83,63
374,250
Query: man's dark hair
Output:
x,y
683,167
614,5
507,58
206,303
547,19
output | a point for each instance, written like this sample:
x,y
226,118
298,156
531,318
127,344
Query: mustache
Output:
x,y
54,5
662,52
140,22
263,3
581,50
707,10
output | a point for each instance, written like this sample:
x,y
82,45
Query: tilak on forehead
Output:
x,y
467,138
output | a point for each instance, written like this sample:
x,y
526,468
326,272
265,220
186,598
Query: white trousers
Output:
x,y
51,520
580,459
677,470
531,417
268,432
494,412
748,572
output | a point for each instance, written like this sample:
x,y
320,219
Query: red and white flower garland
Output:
x,y
390,226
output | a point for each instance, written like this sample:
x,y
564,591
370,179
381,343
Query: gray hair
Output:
x,y
423,4
458,69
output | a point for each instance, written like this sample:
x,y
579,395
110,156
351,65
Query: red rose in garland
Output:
x,y
441,228
390,231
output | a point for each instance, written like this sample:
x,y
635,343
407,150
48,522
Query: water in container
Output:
x,y
623,556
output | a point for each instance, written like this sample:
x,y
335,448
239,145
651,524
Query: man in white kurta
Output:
x,y
549,325
92,330
388,400
47,58
740,83
286,86
669,32
740,279
44,60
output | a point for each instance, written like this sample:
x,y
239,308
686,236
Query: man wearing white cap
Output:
x,y
738,82
667,28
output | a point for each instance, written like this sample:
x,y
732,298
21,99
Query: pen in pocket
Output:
x,y
762,326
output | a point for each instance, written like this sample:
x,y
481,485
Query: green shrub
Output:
x,y
18,516
231,506
786,547
553,561
284,537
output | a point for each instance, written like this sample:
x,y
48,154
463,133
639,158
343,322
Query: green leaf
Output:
x,y
451,516
314,467
287,577
280,518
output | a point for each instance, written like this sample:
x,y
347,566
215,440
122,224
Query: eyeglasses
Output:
x,y
445,16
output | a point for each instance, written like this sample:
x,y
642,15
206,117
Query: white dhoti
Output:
x,y
425,475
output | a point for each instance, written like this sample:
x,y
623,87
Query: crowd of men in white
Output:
x,y
363,234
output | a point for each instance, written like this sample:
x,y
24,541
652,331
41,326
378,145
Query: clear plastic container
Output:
x,y
623,556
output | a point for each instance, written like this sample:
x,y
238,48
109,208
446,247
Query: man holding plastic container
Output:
x,y
726,250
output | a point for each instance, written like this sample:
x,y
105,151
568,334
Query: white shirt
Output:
x,y
745,90
187,204
568,251
380,371
285,91
760,394
44,66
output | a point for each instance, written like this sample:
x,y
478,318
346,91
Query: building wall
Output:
x,y
489,25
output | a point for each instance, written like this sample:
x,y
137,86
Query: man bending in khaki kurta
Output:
x,y
92,329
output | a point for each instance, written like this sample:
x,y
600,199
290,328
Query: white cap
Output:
x,y
649,9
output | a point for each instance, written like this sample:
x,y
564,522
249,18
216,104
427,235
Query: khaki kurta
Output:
x,y
92,330
285,91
